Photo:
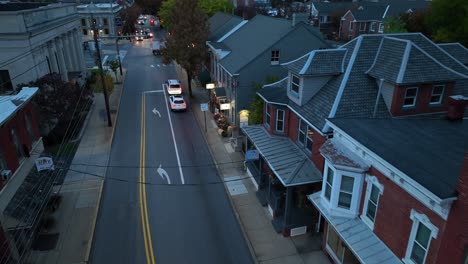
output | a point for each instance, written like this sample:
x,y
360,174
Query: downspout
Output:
x,y
377,99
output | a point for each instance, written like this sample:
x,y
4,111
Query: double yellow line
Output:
x,y
142,190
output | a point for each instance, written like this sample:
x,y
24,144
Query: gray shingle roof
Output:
x,y
457,51
252,39
431,152
20,6
287,161
358,93
368,11
275,92
318,62
222,23
401,62
326,8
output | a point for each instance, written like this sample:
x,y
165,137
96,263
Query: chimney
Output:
x,y
456,107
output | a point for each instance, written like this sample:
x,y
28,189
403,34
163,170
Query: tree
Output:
x,y
130,15
57,100
189,33
415,22
97,84
394,25
448,20
209,7
256,107
114,65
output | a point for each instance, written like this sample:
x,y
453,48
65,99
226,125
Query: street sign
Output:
x,y
44,163
252,154
204,107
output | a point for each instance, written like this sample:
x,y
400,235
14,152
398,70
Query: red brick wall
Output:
x,y
455,238
345,33
18,122
393,223
422,100
293,122
317,158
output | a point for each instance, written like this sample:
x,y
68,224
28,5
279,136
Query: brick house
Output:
x,y
395,190
370,77
20,146
368,17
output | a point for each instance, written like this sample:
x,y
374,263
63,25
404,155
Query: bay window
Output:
x,y
341,190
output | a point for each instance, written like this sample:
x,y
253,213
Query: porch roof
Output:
x,y
286,160
359,238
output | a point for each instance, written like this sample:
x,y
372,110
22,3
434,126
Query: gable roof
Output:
x,y
399,61
456,50
353,93
220,24
429,151
318,62
256,36
368,12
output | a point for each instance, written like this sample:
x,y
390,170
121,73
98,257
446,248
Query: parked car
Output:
x,y
139,36
177,103
174,87
148,33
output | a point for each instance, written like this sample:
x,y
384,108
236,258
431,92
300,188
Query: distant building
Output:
x,y
37,39
106,17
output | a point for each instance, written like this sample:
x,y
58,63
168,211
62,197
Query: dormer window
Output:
x,y
437,94
275,56
341,190
411,94
295,81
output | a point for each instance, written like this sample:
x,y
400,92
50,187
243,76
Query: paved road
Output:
x,y
188,221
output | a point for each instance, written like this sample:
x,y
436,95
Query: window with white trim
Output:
x,y
351,26
381,27
295,82
422,232
305,137
328,183
437,94
372,26
362,26
371,202
275,56
341,190
267,115
280,120
411,94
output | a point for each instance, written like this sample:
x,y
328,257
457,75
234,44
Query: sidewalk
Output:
x,y
267,246
81,192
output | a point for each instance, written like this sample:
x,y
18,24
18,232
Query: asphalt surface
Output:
x,y
191,220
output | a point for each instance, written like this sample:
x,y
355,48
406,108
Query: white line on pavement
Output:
x,y
173,138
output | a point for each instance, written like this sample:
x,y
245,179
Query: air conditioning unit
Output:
x,y
6,174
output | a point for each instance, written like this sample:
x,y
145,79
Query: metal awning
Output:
x,y
286,160
359,238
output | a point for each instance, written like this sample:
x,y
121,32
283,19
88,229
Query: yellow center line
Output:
x,y
142,190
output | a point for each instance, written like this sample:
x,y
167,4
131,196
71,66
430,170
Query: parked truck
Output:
x,y
157,46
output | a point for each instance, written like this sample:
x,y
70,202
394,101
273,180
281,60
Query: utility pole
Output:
x,y
101,71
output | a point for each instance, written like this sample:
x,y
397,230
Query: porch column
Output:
x,y
52,60
81,61
288,206
74,52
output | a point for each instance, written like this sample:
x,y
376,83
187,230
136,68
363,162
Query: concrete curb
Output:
x,y
244,233
93,226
